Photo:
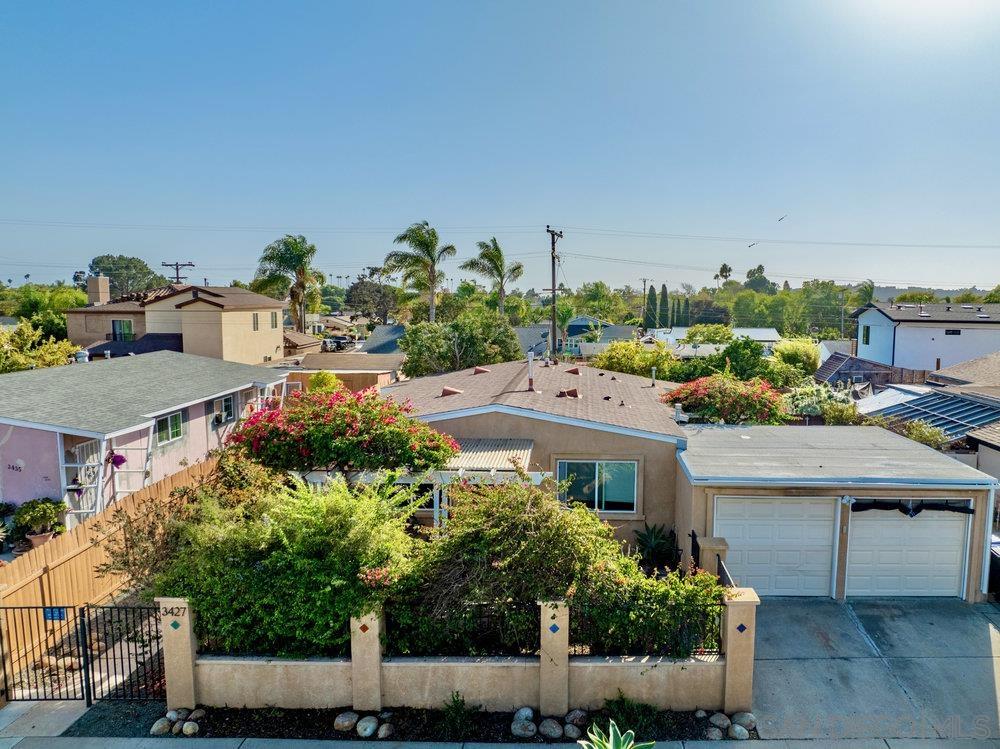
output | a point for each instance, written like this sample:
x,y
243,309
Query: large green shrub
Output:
x,y
810,398
799,352
708,333
514,544
634,357
285,573
475,337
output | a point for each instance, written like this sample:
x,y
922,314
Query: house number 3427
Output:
x,y
14,467
173,610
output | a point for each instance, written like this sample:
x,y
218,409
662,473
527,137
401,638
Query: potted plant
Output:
x,y
42,517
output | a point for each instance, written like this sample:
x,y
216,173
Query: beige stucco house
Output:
x,y
797,511
220,322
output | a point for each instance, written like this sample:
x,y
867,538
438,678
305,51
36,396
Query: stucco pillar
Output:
x,y
553,675
180,648
712,549
366,660
739,629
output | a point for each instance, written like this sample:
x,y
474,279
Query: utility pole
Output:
x,y
841,315
554,236
642,304
177,270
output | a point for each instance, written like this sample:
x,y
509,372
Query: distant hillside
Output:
x,y
885,293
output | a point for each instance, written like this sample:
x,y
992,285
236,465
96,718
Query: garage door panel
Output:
x,y
891,554
778,546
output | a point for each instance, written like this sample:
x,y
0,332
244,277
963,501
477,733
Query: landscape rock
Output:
x,y
525,713
550,729
385,715
523,729
367,726
172,715
385,731
577,718
700,714
178,728
747,720
713,734
572,732
738,732
184,714
720,720
190,728
161,727
196,715
345,721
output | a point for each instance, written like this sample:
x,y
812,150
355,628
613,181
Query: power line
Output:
x,y
177,270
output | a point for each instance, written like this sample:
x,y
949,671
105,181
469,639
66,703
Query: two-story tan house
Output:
x,y
220,322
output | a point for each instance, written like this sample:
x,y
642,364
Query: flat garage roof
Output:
x,y
817,455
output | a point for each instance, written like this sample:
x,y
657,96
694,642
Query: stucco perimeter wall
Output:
x,y
552,442
498,684
668,684
263,682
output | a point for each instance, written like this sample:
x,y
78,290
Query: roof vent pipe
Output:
x,y
531,371
107,354
82,357
653,383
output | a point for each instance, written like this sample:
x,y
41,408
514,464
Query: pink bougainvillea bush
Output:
x,y
723,398
320,430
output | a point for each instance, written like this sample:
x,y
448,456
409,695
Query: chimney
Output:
x,y
531,371
678,412
98,290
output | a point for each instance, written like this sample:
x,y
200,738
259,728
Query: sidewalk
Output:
x,y
40,742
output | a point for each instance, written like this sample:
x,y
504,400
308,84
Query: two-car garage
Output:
x,y
836,511
789,546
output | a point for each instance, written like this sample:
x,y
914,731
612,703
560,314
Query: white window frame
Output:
x,y
219,409
598,500
168,418
255,321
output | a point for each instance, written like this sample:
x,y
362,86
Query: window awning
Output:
x,y
491,454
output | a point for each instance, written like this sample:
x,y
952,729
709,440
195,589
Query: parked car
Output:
x,y
336,343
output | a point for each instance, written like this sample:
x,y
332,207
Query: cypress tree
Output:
x,y
664,319
687,311
649,318
676,321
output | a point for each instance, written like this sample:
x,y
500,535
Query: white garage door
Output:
x,y
778,546
893,555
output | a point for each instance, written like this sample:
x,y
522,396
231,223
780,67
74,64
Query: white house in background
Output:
x,y
766,336
927,336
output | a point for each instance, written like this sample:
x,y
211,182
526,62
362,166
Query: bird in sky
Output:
x,y
783,217
752,244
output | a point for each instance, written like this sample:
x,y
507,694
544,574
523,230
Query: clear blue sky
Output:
x,y
869,122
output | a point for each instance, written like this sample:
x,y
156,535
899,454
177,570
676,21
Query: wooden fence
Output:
x,y
61,572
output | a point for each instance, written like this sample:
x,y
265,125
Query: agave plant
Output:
x,y
614,739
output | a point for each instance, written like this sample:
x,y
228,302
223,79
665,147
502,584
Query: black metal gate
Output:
x,y
89,653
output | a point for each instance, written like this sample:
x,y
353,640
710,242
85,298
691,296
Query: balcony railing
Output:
x,y
126,337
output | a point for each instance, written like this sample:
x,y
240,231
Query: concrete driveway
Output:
x,y
886,668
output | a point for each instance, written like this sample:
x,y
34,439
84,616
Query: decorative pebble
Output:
x,y
161,727
720,720
572,732
345,721
700,714
385,731
525,713
523,729
385,715
178,728
550,729
367,726
738,732
172,715
190,728
183,714
713,734
747,720
197,715
577,718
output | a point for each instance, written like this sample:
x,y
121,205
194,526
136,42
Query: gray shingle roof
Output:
x,y
982,371
383,340
936,313
824,455
607,398
103,397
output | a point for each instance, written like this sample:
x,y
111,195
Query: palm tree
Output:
x,y
419,264
725,271
287,264
492,265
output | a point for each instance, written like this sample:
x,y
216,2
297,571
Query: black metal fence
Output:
x,y
724,577
677,630
695,550
88,653
479,629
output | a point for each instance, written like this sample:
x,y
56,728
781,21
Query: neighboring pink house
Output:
x,y
93,432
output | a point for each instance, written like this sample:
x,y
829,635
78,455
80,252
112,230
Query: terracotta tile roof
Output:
x,y
608,398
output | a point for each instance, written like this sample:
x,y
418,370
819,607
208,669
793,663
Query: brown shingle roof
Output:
x,y
609,398
300,340
989,435
982,371
355,362
226,297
